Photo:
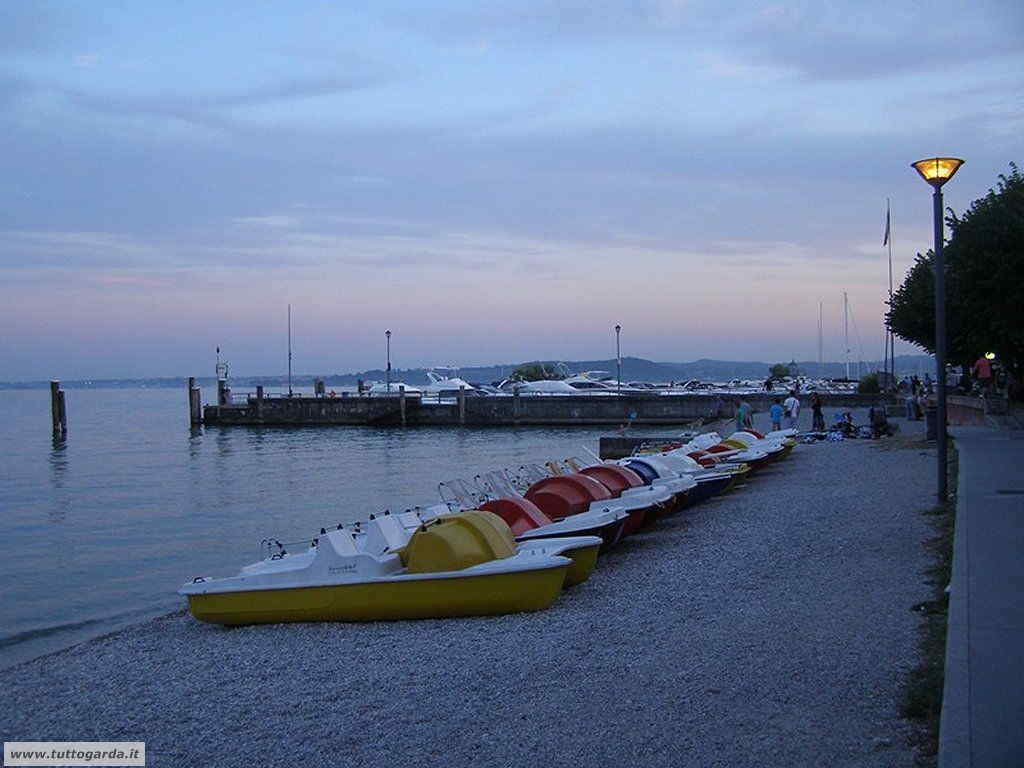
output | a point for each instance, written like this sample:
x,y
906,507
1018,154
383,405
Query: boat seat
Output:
x,y
384,533
342,541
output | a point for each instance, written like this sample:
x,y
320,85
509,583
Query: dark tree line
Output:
x,y
984,260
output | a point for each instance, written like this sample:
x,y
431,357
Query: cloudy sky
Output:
x,y
493,181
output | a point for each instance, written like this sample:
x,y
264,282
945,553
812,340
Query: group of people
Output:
x,y
916,394
784,414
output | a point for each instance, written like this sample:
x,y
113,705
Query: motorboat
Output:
x,y
447,387
460,565
546,387
395,388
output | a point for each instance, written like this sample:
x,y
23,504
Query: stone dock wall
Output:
x,y
557,410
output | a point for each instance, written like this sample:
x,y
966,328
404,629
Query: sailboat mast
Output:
x,y
821,358
846,332
289,350
891,338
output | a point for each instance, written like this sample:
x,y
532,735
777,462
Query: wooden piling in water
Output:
x,y
58,409
462,405
195,402
259,402
401,402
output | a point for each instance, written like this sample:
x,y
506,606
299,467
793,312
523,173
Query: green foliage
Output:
x,y
779,371
984,261
868,385
536,371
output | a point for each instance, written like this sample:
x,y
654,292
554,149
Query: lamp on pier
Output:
x,y
937,171
387,335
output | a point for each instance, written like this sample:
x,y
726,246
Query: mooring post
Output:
x,y
462,404
401,401
515,406
194,414
259,402
63,413
58,411
188,392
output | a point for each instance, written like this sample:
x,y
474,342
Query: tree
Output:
x,y
984,261
868,385
779,371
536,372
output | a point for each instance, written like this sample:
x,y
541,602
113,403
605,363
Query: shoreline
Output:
x,y
770,626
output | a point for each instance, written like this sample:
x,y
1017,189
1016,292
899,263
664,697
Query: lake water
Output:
x,y
99,530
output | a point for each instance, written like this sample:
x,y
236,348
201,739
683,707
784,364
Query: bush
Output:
x,y
869,385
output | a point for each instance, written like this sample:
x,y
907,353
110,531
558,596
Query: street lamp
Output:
x,y
937,171
387,335
618,359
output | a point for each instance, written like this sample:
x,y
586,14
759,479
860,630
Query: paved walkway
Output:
x,y
983,702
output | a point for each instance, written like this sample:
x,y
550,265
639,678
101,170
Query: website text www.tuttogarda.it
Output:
x,y
74,753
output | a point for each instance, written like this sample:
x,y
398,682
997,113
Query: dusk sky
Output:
x,y
494,182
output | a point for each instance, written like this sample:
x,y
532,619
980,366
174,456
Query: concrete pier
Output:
x,y
403,408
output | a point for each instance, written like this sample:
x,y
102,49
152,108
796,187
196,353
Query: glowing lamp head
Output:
x,y
990,355
938,170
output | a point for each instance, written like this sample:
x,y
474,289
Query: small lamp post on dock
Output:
x,y
387,335
937,171
618,360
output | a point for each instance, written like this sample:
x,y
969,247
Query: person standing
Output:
x,y
748,414
791,408
741,414
982,371
819,417
775,413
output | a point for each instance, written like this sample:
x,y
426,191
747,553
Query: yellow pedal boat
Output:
x,y
462,565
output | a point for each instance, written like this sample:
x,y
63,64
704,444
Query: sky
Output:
x,y
491,181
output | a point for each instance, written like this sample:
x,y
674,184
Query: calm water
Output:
x,y
99,531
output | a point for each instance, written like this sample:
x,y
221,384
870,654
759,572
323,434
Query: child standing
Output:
x,y
775,413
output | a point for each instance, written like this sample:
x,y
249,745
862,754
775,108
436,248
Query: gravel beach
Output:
x,y
771,626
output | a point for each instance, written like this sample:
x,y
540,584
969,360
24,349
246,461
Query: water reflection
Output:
x,y
195,440
59,460
224,442
58,512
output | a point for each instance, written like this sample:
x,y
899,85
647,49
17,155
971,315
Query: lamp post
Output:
x,y
387,335
618,360
937,171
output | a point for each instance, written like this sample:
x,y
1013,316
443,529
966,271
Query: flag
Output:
x,y
885,240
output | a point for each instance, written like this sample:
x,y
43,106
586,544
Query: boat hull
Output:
x,y
609,533
584,560
483,595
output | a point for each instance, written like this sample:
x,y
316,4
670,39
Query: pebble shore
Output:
x,y
769,627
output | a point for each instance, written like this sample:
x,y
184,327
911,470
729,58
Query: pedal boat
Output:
x,y
563,496
658,474
700,468
391,532
777,447
462,565
495,492
625,484
709,482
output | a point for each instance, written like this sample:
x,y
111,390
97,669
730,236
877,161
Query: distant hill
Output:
x,y
633,369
